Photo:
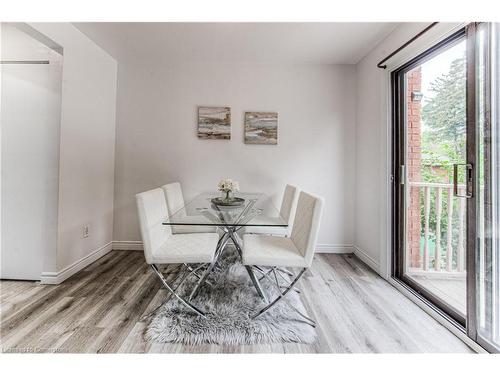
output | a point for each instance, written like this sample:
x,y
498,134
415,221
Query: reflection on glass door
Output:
x,y
488,180
434,196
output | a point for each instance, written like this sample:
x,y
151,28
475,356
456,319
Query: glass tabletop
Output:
x,y
255,210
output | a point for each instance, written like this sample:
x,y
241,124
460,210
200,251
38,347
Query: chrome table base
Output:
x,y
230,233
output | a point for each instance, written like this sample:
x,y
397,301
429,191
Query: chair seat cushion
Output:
x,y
195,219
183,229
273,230
262,250
187,248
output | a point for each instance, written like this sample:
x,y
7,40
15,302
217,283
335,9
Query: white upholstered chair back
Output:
x,y
174,197
306,225
289,204
152,210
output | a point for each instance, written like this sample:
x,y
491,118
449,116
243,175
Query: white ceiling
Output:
x,y
322,43
21,42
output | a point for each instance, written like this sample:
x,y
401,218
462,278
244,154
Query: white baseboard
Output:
x,y
127,245
367,259
321,248
334,249
59,277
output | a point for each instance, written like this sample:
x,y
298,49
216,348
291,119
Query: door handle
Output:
x,y
468,182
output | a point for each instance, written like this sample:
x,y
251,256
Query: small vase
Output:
x,y
228,196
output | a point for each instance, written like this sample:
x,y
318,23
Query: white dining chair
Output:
x,y
287,213
193,251
297,251
176,205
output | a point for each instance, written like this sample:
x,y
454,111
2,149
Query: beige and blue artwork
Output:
x,y
214,122
261,128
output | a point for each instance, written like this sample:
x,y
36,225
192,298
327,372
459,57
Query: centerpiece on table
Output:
x,y
228,187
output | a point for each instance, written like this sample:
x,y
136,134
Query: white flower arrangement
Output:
x,y
227,185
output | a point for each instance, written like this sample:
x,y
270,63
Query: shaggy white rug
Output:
x,y
229,302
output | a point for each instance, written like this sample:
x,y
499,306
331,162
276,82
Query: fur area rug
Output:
x,y
229,303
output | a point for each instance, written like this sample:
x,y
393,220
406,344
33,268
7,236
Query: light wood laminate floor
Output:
x,y
450,290
99,310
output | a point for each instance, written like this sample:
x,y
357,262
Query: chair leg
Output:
x,y
256,283
266,273
255,280
174,288
218,253
263,272
201,280
282,295
194,271
284,270
278,286
171,290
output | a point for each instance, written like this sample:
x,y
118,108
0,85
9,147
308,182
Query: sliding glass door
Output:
x,y
432,160
487,251
446,211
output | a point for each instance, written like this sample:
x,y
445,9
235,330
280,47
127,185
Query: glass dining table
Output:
x,y
254,210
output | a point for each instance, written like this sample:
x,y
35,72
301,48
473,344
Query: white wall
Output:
x,y
30,118
86,175
372,204
156,140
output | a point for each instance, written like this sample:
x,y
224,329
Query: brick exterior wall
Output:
x,y
414,165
